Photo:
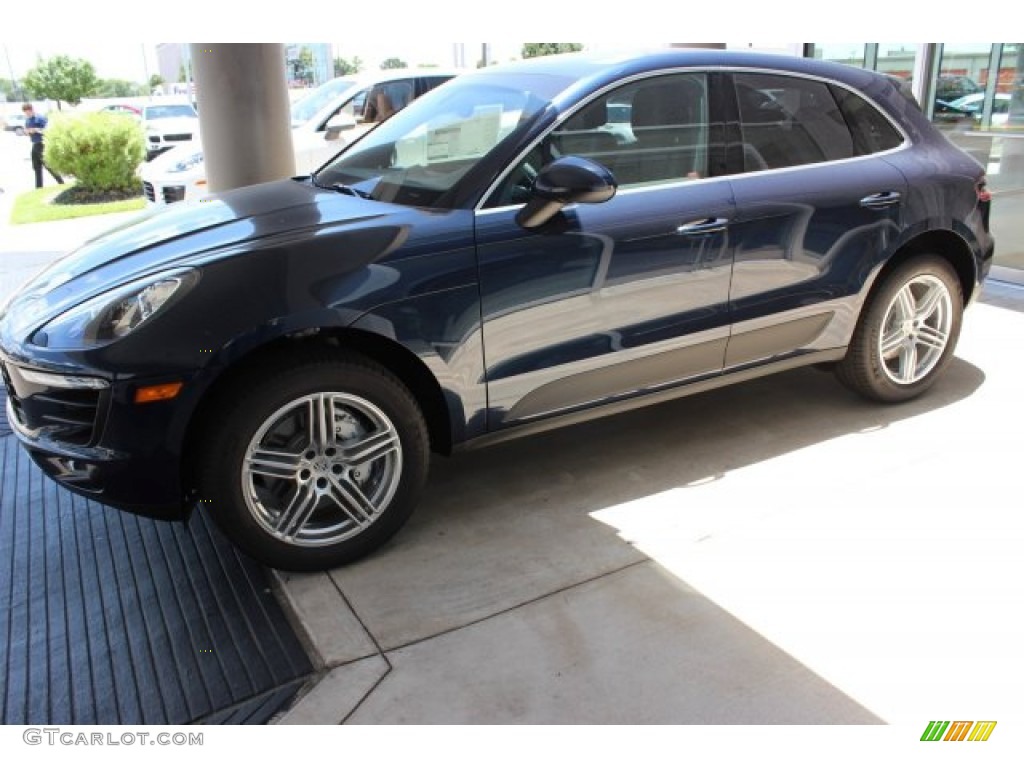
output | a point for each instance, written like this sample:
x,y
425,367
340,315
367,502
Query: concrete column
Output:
x,y
926,63
243,113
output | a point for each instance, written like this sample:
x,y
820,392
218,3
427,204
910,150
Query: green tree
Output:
x,y
155,81
182,73
302,66
393,63
532,50
11,90
344,67
118,89
62,79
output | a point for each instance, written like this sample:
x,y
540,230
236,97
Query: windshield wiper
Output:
x,y
343,188
346,189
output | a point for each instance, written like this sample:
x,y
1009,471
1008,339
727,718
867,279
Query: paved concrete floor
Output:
x,y
777,552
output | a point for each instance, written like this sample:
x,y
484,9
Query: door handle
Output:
x,y
880,200
706,226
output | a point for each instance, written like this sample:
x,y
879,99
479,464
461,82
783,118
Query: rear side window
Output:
x,y
872,132
787,121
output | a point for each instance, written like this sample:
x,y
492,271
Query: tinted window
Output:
x,y
787,121
648,132
872,132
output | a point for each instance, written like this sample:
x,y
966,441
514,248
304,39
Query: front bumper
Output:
x,y
87,434
167,189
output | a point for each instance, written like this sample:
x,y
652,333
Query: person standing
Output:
x,y
34,127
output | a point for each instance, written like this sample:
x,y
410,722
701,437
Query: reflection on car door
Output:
x,y
618,298
802,229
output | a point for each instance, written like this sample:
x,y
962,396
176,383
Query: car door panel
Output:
x,y
812,219
565,308
802,236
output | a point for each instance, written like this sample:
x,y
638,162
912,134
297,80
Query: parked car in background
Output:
x,y
972,104
504,256
168,124
15,122
128,110
949,88
323,121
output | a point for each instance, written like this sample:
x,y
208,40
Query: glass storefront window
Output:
x,y
986,120
841,53
960,86
897,59
1006,161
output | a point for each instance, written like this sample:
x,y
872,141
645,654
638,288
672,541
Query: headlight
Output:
x,y
114,314
187,164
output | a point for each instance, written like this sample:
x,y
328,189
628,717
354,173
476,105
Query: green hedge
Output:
x,y
102,151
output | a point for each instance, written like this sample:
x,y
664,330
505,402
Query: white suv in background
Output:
x,y
168,124
323,122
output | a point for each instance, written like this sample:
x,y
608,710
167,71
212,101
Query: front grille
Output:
x,y
71,413
178,137
147,188
19,412
174,194
63,414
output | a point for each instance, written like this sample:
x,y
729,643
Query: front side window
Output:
x,y
787,121
652,131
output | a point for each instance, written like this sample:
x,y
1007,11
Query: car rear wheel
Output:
x,y
316,466
907,332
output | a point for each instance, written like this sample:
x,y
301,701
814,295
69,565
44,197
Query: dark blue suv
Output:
x,y
525,247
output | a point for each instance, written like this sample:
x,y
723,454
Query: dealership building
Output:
x,y
975,94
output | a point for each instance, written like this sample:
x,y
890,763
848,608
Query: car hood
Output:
x,y
187,234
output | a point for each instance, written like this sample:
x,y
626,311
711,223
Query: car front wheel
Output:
x,y
907,332
317,465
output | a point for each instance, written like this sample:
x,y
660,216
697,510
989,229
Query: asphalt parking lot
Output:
x,y
776,552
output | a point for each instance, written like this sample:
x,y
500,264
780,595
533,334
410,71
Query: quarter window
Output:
x,y
872,132
787,121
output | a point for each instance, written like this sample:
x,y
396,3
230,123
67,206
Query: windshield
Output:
x,y
160,111
421,153
308,105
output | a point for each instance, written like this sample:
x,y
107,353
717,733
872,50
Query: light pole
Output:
x,y
14,82
145,66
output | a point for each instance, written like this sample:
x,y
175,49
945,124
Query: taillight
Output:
x,y
984,196
984,200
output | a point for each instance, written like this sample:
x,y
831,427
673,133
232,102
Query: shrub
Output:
x,y
102,151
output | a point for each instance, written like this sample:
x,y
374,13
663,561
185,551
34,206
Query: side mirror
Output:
x,y
337,124
564,181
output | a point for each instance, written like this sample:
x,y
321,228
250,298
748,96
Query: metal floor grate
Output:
x,y
108,618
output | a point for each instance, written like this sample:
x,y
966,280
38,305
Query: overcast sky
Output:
x,y
136,61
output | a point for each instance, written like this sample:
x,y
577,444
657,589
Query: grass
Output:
x,y
36,206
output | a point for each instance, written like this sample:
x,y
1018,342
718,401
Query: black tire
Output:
x,y
915,313
298,493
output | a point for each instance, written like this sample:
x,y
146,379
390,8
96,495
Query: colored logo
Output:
x,y
958,730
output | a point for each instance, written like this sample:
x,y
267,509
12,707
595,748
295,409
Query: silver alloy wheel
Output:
x,y
915,330
321,469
